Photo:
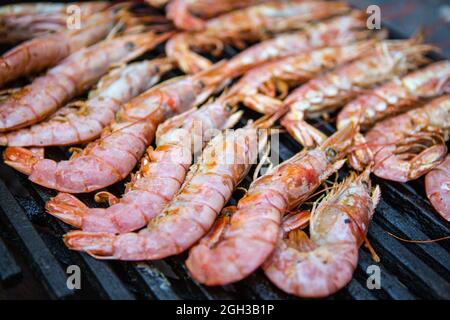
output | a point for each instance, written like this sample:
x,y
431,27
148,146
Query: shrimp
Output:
x,y
237,246
160,176
397,95
263,88
20,22
70,78
81,122
43,52
111,158
323,263
250,24
409,145
437,186
209,184
188,14
330,91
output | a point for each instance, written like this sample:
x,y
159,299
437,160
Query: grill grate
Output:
x,y
32,251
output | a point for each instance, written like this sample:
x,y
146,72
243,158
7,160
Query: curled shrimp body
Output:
x,y
409,145
112,157
332,90
209,185
263,88
189,15
70,78
237,246
83,121
250,24
397,95
160,176
437,184
20,22
43,52
324,263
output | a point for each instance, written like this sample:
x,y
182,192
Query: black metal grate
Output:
x,y
32,253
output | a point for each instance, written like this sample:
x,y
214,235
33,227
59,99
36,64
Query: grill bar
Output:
x,y
9,269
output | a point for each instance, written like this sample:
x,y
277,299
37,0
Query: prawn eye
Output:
x,y
130,45
201,84
330,153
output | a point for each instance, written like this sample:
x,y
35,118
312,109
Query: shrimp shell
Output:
x,y
437,186
250,24
411,144
81,122
330,91
160,176
324,263
209,185
43,52
243,243
111,158
70,78
397,96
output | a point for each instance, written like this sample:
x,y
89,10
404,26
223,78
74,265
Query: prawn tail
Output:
x,y
67,208
21,159
98,244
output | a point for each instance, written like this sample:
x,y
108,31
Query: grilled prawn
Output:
x,y
43,52
208,186
159,178
111,158
70,78
250,24
335,88
437,184
263,88
397,95
83,121
25,21
323,263
409,145
237,245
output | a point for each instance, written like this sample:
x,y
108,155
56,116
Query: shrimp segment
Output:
x,y
397,95
111,158
324,263
160,176
70,78
81,122
209,185
263,88
332,90
409,145
43,52
437,186
237,246
250,24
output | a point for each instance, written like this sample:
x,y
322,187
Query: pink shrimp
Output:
x,y
83,121
111,158
43,52
209,185
250,24
320,265
188,14
235,248
25,21
397,95
263,88
335,88
70,78
437,186
409,145
160,176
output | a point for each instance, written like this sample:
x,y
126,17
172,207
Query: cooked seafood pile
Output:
x,y
180,141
